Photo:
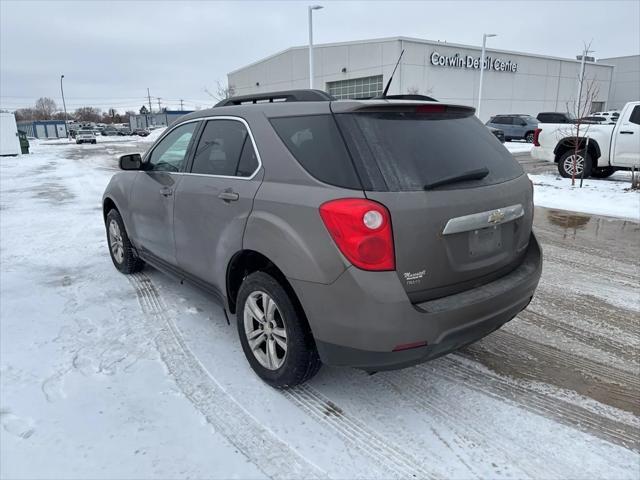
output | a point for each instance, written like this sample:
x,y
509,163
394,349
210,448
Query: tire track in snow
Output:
x,y
417,391
605,424
393,461
519,357
263,448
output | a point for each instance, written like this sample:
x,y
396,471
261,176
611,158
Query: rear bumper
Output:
x,y
359,319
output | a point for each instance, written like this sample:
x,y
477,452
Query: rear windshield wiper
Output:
x,y
478,174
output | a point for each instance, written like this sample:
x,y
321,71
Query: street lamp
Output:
x,y
66,119
484,43
311,9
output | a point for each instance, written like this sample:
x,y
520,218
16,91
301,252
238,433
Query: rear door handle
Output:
x,y
627,132
166,191
228,195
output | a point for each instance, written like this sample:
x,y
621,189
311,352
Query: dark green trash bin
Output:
x,y
24,143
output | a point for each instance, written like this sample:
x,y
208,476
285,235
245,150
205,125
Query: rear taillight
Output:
x,y
362,231
536,134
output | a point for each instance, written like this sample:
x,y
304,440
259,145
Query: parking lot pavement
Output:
x,y
532,165
140,376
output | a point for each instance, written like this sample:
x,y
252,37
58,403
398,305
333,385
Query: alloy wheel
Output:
x,y
265,330
115,241
579,165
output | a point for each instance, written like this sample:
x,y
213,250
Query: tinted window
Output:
x,y
220,147
411,150
635,115
169,154
502,120
316,143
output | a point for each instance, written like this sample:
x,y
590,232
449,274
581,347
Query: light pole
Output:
x,y
484,44
585,52
66,118
311,9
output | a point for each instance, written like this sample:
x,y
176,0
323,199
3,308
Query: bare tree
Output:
x,y
575,135
44,108
413,90
222,91
88,114
25,114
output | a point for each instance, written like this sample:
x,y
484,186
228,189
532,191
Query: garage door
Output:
x,y
40,131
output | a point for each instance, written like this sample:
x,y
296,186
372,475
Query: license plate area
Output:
x,y
485,241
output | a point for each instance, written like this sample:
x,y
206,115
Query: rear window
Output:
x,y
404,151
316,143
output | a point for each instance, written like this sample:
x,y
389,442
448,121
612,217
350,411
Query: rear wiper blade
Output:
x,y
478,174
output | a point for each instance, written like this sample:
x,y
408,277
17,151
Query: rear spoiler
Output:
x,y
387,105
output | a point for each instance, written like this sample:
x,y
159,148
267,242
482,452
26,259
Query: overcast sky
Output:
x,y
110,52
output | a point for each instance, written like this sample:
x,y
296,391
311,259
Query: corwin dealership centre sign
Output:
x,y
458,61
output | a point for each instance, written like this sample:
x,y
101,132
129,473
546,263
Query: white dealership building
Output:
x,y
514,82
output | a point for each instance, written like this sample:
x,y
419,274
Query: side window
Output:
x,y
225,148
316,144
170,153
635,115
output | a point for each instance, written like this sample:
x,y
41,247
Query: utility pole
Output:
x,y
159,107
149,97
66,118
181,107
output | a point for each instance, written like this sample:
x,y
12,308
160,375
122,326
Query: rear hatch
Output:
x,y
450,233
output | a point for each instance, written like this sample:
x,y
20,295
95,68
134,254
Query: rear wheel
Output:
x,y
122,252
571,162
603,172
275,336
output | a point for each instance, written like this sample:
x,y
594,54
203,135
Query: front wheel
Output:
x,y
122,252
571,164
274,334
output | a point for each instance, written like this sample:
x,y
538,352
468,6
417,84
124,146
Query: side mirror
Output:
x,y
132,161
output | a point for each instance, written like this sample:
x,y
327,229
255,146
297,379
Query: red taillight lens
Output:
x,y
536,134
362,231
430,109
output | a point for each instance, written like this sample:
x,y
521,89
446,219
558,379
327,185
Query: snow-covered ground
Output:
x,y
611,196
108,376
518,147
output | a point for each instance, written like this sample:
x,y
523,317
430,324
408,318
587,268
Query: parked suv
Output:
x,y
519,127
85,136
375,234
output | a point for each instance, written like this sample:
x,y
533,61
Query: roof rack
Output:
x,y
284,96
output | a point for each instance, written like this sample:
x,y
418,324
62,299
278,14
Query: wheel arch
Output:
x,y
568,143
245,262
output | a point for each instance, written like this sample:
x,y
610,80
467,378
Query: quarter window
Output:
x,y
225,148
169,154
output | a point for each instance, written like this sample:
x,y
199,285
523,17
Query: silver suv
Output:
x,y
375,234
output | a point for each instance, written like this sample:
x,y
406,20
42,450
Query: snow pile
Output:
x,y
518,147
612,197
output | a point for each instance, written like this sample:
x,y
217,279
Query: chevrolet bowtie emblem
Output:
x,y
496,217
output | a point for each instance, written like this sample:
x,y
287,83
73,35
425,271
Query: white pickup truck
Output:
x,y
608,147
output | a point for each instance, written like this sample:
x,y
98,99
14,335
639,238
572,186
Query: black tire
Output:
x,y
602,172
529,137
301,361
94,141
565,164
129,261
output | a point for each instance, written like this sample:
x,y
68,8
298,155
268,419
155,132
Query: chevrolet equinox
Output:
x,y
374,234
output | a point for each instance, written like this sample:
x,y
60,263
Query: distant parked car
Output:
x,y
141,132
85,136
109,131
611,115
124,131
498,133
555,117
517,126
